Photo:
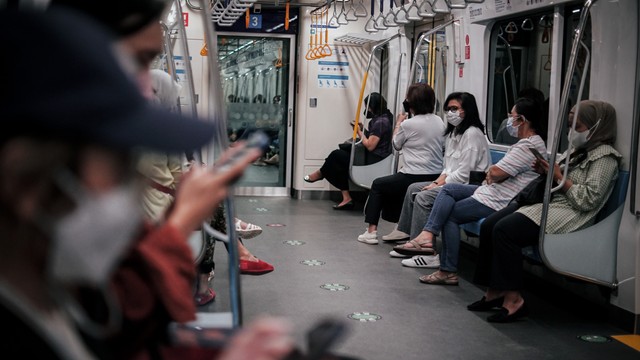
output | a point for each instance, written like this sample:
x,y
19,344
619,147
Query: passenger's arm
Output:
x,y
518,159
399,136
591,193
369,142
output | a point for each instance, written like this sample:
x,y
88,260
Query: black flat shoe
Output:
x,y
502,316
484,305
306,178
347,206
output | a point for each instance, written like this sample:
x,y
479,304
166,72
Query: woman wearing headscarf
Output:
x,y
377,143
593,168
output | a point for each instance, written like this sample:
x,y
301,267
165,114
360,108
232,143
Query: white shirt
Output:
x,y
421,139
465,153
517,163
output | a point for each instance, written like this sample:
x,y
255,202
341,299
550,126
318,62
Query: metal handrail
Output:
x,y
219,144
635,137
420,40
562,114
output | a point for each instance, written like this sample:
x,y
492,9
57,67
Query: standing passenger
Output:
x,y
421,139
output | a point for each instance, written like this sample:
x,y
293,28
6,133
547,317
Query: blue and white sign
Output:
x,y
255,21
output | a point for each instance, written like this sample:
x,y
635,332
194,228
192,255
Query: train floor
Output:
x,y
389,313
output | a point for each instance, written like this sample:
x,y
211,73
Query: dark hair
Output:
x,y
376,103
471,113
532,93
421,99
532,111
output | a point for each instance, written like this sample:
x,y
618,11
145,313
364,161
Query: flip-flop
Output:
x,y
417,249
204,299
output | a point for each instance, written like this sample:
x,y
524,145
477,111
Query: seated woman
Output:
x,y
593,168
466,150
421,140
376,141
458,204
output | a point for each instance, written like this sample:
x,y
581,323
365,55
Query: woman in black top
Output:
x,y
376,141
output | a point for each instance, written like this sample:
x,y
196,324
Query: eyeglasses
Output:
x,y
452,108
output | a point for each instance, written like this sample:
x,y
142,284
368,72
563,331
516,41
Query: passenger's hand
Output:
x,y
264,339
202,189
429,186
541,166
401,117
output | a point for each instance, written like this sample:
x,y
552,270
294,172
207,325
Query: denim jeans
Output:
x,y
454,206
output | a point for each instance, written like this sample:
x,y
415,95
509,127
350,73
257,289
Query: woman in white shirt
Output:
x,y
422,142
466,150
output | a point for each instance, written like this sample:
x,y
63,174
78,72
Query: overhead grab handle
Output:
x,y
413,12
390,18
380,19
361,10
370,26
527,25
426,9
459,5
442,9
511,28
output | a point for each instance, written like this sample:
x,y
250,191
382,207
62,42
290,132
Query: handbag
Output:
x,y
477,177
533,193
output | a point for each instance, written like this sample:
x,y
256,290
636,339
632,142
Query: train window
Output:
x,y
520,61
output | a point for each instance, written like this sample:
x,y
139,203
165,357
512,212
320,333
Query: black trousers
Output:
x,y
336,167
502,237
387,194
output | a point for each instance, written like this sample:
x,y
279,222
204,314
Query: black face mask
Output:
x,y
368,114
405,105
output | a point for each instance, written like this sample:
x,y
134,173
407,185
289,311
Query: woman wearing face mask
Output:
x,y
593,168
458,204
466,150
421,140
376,141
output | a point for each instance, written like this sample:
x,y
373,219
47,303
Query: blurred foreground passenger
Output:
x,y
69,213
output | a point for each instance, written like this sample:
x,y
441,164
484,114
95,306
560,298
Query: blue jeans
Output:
x,y
454,206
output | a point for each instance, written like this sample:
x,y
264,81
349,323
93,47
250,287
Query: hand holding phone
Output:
x,y
537,154
257,140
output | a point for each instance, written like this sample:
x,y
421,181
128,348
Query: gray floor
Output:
x,y
417,321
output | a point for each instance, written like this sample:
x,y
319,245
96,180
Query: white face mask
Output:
x,y
578,139
512,130
453,117
89,242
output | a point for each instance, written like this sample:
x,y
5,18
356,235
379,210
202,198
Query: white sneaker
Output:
x,y
395,235
423,261
395,254
369,238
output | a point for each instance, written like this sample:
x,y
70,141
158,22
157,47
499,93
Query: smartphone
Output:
x,y
323,336
257,140
536,153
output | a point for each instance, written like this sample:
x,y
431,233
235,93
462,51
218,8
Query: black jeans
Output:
x,y
387,194
500,255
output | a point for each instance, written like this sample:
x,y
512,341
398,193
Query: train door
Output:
x,y
258,79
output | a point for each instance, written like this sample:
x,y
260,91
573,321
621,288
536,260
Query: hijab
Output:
x,y
600,118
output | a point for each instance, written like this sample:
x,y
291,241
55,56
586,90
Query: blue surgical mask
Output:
x,y
511,129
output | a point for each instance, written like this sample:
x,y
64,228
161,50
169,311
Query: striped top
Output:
x,y
593,180
517,162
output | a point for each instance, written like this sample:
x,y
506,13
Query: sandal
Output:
x,y
439,278
248,231
416,249
204,299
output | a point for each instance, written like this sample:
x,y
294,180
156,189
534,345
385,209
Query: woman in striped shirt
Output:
x,y
459,203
